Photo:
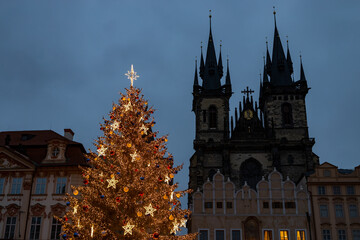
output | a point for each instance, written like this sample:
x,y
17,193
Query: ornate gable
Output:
x,y
11,160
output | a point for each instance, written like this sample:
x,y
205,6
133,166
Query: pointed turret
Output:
x,y
196,80
288,58
268,60
211,76
220,65
202,65
228,89
265,77
302,74
280,74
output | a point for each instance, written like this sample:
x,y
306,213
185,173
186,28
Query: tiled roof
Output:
x,y
33,144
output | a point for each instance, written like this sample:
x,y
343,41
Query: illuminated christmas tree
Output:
x,y
128,191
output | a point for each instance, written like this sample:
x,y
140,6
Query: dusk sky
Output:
x,y
62,63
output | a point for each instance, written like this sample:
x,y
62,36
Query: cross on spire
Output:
x,y
247,91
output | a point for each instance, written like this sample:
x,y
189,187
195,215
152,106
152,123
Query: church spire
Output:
x,y
302,74
228,88
211,76
202,65
280,74
288,58
196,81
220,65
265,77
268,60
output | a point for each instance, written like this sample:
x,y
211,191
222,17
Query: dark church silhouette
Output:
x,y
263,135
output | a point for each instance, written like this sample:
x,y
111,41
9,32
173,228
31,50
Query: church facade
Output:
x,y
265,136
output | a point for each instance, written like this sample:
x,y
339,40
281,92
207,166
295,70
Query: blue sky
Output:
x,y
62,63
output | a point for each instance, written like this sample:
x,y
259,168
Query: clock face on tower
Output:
x,y
248,114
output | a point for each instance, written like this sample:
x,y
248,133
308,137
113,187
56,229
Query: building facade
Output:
x,y
277,209
271,133
37,169
335,195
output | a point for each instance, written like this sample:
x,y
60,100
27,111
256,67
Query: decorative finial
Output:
x,y
201,45
300,56
220,44
266,42
274,15
132,75
287,39
210,13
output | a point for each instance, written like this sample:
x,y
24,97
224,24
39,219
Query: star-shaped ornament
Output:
x,y
101,151
128,228
127,106
115,125
183,222
167,179
150,210
134,156
112,182
144,129
175,227
132,75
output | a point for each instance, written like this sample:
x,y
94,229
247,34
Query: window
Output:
x,y
219,235
35,228
350,190
204,235
341,234
235,235
55,152
40,186
10,228
208,204
219,204
356,234
277,204
321,190
336,190
326,235
55,229
16,186
60,185
268,235
290,205
287,117
228,204
300,235
339,213
353,212
327,173
212,117
324,211
265,204
2,180
204,116
284,235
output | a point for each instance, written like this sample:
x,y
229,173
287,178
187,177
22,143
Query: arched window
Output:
x,y
251,172
212,117
286,111
211,174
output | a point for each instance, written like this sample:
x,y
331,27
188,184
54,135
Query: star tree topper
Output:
x,y
132,75
101,151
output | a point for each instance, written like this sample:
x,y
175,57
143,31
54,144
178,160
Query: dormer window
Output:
x,y
55,152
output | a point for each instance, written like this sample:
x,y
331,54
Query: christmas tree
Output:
x,y
128,190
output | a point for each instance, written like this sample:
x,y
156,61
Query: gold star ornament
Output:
x,y
112,182
150,210
128,228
